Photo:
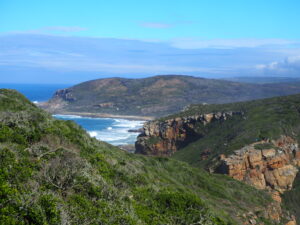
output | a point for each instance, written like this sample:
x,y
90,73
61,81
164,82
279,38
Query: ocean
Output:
x,y
36,92
111,130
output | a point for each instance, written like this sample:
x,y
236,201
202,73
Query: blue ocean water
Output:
x,y
113,131
36,92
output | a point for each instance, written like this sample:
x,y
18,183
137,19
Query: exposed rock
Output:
x,y
272,212
269,164
292,222
276,196
273,169
65,94
140,130
105,105
60,99
163,138
54,106
128,148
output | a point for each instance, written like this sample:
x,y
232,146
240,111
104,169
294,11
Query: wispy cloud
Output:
x,y
163,25
156,25
288,66
120,56
194,43
64,28
52,30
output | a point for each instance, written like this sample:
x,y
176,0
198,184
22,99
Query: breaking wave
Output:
x,y
113,131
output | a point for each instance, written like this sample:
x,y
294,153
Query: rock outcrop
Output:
x,y
163,138
65,94
268,165
271,165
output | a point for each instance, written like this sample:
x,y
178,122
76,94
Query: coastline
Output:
x,y
105,115
119,132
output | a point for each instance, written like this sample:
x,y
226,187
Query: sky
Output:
x,y
72,41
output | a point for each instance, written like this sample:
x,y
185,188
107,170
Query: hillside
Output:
x,y
157,96
52,172
263,80
256,142
246,123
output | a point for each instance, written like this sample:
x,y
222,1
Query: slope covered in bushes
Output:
x,y
52,172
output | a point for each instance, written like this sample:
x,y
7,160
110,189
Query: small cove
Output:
x,y
111,130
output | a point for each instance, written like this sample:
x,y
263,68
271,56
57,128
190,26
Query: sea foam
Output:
x,y
113,131
66,117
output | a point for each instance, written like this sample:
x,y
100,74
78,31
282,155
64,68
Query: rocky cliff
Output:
x,y
265,165
163,138
258,145
270,165
65,94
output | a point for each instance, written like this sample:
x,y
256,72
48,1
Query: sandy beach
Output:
x,y
106,115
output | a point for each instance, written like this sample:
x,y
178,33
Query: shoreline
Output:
x,y
105,115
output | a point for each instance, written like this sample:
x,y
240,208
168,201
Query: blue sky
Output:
x,y
266,30
156,19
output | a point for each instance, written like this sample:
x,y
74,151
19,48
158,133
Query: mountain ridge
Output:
x,y
157,96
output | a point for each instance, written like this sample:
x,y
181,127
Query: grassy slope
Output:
x,y
162,95
262,119
291,199
52,172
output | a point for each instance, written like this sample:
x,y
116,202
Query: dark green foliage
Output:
x,y
291,199
52,172
50,209
264,146
153,140
174,207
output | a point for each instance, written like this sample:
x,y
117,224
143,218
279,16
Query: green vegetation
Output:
x,y
153,140
291,199
261,120
159,95
52,172
264,146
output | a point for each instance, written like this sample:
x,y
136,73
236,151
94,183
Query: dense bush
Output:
x,y
52,172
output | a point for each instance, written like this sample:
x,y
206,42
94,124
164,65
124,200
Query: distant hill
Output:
x,y
263,80
157,96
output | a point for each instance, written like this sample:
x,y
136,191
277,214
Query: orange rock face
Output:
x,y
293,222
273,169
163,138
276,196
